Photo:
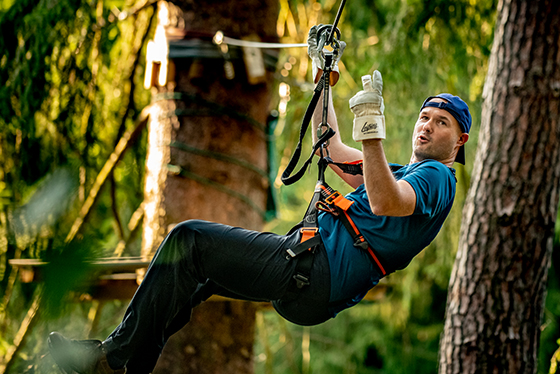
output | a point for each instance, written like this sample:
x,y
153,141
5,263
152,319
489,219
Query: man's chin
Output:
x,y
421,156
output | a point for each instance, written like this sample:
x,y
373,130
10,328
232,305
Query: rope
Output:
x,y
219,156
335,23
216,109
182,172
202,49
219,38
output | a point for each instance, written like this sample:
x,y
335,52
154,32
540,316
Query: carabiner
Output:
x,y
323,34
320,133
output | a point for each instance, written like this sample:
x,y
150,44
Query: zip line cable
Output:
x,y
336,19
324,131
220,38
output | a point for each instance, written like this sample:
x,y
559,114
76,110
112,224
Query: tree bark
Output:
x,y
498,284
207,159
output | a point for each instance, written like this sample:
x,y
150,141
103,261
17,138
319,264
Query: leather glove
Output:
x,y
368,107
317,59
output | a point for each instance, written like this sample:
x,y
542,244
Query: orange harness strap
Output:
x,y
339,205
360,241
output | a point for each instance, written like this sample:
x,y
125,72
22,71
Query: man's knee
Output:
x,y
180,241
188,227
191,229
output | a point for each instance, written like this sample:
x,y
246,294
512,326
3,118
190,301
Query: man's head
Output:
x,y
442,129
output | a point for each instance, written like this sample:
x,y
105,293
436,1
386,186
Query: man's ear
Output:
x,y
463,139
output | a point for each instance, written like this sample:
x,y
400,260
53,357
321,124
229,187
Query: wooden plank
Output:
x,y
118,280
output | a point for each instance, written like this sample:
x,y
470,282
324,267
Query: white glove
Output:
x,y
368,107
317,59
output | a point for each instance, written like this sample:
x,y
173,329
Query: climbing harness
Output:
x,y
324,197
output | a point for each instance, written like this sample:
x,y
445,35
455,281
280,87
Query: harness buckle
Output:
x,y
332,197
301,280
340,201
361,243
291,253
307,233
325,208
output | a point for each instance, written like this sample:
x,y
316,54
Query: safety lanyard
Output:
x,y
287,177
324,198
310,238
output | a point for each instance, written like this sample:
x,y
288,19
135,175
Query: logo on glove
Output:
x,y
369,128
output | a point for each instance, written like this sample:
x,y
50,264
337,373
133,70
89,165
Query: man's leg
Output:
x,y
141,361
250,264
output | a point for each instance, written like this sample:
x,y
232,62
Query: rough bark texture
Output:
x,y
206,159
498,284
219,339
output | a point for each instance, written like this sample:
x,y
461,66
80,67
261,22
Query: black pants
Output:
x,y
199,259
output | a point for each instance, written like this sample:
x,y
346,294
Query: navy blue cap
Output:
x,y
459,110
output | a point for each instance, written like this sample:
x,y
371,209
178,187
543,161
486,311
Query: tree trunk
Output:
x,y
498,284
207,159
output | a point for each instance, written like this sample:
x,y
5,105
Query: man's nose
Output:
x,y
427,126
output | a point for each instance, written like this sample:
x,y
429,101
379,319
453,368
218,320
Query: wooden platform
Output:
x,y
113,278
116,278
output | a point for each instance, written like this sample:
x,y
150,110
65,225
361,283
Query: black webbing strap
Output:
x,y
357,167
304,246
287,178
310,238
349,168
304,252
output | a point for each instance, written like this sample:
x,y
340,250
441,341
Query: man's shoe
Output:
x,y
80,356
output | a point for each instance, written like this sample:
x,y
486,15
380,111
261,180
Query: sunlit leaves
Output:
x,y
66,69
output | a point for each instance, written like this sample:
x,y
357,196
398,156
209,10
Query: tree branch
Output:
x,y
124,143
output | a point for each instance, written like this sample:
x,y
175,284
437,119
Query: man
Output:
x,y
398,209
399,213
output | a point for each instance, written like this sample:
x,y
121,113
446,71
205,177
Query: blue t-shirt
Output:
x,y
395,240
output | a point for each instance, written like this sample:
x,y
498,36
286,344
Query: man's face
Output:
x,y
437,135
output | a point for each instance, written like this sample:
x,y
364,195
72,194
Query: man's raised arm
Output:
x,y
387,197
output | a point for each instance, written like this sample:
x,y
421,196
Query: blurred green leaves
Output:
x,y
69,71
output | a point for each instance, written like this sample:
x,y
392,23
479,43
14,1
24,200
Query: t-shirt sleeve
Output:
x,y
434,185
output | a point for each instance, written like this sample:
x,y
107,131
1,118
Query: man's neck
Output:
x,y
448,162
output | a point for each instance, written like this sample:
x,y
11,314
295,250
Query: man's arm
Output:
x,y
338,151
387,196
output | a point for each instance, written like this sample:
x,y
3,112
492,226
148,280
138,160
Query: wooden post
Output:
x,y
207,157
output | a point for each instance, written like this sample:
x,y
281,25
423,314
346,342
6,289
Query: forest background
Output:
x,y
71,76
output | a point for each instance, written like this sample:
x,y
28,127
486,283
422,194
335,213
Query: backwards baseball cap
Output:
x,y
458,109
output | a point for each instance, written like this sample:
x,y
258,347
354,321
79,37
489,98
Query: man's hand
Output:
x,y
317,59
368,107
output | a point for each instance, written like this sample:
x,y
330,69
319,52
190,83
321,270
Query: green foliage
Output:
x,y
70,72
549,352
